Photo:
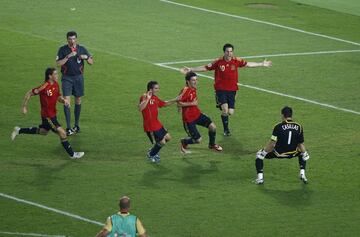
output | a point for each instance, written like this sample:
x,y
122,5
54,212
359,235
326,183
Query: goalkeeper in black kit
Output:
x,y
287,141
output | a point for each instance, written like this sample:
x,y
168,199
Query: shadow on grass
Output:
x,y
193,172
46,174
234,147
152,177
298,197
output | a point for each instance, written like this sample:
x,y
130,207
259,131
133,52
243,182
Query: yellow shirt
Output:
x,y
139,227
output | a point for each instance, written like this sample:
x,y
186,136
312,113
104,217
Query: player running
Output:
x,y
148,106
287,141
192,116
226,80
49,96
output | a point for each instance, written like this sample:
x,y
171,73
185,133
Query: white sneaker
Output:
x,y
77,155
15,132
303,178
183,148
259,181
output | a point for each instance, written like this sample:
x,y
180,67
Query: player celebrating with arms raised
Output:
x,y
287,141
49,96
226,80
148,106
192,116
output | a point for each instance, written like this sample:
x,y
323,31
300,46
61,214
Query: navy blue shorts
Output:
x,y
191,129
272,155
157,136
72,85
50,124
225,97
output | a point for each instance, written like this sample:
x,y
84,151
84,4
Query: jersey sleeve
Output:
x,y
182,95
275,133
39,89
108,224
240,62
212,66
86,52
139,227
61,54
301,135
161,103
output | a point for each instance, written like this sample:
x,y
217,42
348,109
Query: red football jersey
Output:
x,y
150,113
226,73
49,94
189,113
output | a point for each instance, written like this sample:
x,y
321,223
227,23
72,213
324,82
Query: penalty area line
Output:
x,y
29,234
273,92
64,213
270,55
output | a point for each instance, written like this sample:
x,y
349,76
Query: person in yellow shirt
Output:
x,y
123,223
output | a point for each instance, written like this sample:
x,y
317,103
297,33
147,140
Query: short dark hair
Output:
x,y
151,85
124,202
228,46
71,33
49,71
189,75
287,112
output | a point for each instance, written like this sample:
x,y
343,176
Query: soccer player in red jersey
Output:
x,y
226,80
49,96
192,116
148,106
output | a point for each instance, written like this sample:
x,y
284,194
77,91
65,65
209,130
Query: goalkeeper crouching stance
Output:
x,y
287,141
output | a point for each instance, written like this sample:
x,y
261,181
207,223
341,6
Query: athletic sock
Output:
x,y
188,141
31,130
212,136
302,163
225,121
260,175
67,116
156,148
302,172
67,147
77,114
259,164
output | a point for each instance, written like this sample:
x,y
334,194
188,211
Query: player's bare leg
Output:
x,y
64,142
77,111
212,137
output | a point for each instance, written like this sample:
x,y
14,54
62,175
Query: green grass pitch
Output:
x,y
206,193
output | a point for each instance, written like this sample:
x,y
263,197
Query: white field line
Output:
x,y
261,22
270,55
173,68
274,92
29,234
50,209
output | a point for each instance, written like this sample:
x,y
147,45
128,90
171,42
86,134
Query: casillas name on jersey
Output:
x,y
288,135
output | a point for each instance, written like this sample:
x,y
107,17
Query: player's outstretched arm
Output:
x,y
26,101
186,104
185,70
264,63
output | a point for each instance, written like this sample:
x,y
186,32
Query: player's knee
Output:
x,y
43,131
212,127
62,134
163,142
78,100
231,112
198,140
167,137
